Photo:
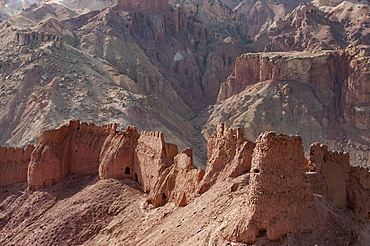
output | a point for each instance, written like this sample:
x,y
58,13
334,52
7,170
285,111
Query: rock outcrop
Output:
x,y
355,99
265,89
322,70
14,164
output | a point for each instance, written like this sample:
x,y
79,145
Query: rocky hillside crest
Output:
x,y
268,172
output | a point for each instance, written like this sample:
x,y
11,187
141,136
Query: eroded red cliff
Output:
x,y
321,96
322,70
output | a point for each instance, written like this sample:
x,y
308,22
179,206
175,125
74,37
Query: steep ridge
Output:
x,y
11,8
169,68
46,83
325,200
143,83
322,96
303,26
174,43
173,62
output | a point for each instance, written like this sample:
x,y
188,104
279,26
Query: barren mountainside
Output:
x,y
147,122
169,67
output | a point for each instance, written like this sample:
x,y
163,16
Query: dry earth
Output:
x,y
181,68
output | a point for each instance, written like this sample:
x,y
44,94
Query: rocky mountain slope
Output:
x,y
163,67
175,70
321,96
9,8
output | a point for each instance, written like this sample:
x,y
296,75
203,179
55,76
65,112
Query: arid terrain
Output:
x,y
182,99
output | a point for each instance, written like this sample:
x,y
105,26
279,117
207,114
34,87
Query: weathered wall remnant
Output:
x,y
14,164
177,183
229,155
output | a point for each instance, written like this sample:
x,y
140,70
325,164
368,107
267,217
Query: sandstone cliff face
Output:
x,y
355,100
320,96
321,70
14,164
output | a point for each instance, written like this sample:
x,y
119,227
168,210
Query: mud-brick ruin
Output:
x,y
284,193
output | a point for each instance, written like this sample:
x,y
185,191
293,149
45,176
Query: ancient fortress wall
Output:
x,y
14,164
274,168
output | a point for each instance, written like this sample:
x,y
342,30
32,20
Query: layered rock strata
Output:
x,y
322,96
322,69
